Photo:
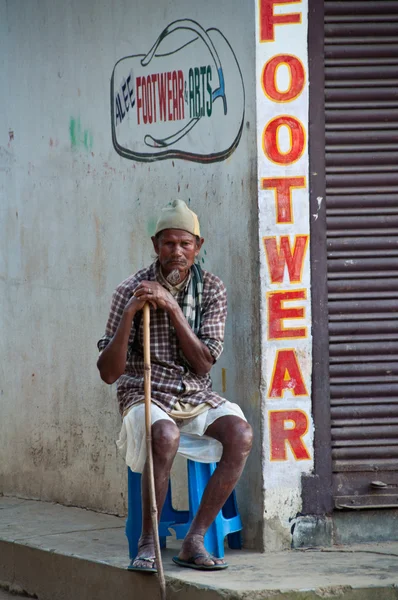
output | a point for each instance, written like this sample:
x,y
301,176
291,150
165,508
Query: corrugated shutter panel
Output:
x,y
361,111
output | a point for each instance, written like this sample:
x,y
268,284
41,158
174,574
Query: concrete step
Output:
x,y
54,552
4,595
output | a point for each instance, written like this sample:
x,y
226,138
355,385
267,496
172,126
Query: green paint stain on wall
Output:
x,y
151,226
78,137
72,131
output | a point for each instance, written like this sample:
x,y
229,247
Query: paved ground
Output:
x,y
7,596
62,553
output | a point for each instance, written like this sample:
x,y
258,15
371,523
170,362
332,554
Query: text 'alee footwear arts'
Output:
x,y
184,98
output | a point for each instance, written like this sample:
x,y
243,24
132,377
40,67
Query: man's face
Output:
x,y
176,249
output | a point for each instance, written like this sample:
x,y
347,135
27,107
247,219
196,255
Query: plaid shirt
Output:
x,y
172,381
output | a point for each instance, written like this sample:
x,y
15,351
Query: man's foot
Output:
x,y
193,554
145,559
140,563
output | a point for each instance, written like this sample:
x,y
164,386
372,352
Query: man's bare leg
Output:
x,y
165,440
236,436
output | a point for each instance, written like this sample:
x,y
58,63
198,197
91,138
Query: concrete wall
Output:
x,y
76,219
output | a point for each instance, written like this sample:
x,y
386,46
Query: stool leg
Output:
x,y
214,538
229,511
198,476
235,540
134,514
227,522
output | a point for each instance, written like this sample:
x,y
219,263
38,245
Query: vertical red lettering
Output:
x,y
283,187
268,19
287,375
175,96
287,428
296,81
154,80
180,95
139,100
169,96
277,313
271,140
149,98
144,100
162,83
281,256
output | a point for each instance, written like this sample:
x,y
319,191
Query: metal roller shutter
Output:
x,y
361,112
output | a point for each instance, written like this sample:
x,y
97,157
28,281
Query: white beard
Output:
x,y
174,277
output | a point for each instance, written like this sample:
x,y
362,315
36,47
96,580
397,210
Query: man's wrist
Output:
x,y
130,311
173,308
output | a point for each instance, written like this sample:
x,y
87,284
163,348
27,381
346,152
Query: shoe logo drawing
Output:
x,y
184,99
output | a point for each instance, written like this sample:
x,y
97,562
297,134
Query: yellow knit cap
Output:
x,y
177,215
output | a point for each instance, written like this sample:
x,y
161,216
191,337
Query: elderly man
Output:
x,y
188,312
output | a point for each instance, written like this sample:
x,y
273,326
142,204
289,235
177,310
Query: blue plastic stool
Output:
x,y
227,523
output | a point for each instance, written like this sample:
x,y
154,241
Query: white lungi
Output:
x,y
193,443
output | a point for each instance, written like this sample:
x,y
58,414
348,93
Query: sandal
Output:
x,y
148,559
190,563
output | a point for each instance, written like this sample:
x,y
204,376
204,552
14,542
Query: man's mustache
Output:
x,y
176,260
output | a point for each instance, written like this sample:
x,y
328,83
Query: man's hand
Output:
x,y
136,303
112,361
155,294
196,352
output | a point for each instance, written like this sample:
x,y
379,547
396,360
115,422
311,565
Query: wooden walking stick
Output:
x,y
148,428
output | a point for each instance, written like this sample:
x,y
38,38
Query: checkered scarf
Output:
x,y
192,303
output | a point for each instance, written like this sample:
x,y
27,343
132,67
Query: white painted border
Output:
x,y
283,478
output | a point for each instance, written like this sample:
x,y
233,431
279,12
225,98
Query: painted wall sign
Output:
x,y
282,131
183,97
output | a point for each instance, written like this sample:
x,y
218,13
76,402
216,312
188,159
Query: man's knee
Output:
x,y
245,436
240,437
165,438
234,433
